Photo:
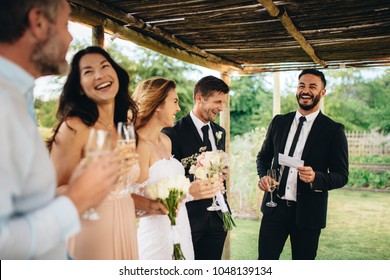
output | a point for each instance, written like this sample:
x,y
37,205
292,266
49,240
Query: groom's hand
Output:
x,y
202,189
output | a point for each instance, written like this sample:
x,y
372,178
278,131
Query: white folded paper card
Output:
x,y
290,161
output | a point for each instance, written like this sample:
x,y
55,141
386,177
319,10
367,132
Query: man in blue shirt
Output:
x,y
34,222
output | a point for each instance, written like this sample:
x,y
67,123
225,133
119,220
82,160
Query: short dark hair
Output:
x,y
14,16
314,72
210,84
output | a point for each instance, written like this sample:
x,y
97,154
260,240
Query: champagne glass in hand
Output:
x,y
271,173
99,143
127,148
214,206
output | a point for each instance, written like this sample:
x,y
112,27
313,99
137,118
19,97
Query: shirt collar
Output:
x,y
198,123
18,77
309,118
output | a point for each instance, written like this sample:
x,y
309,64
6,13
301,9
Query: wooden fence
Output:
x,y
368,143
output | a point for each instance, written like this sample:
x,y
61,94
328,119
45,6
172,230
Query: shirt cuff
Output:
x,y
67,215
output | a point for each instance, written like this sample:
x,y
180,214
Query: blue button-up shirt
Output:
x,y
33,222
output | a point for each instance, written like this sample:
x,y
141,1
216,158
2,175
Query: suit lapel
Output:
x,y
220,144
193,131
285,127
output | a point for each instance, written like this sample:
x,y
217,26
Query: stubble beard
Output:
x,y
309,107
46,56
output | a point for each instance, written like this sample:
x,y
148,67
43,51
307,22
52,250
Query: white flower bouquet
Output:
x,y
170,191
209,165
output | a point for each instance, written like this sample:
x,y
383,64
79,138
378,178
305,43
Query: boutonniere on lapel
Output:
x,y
218,136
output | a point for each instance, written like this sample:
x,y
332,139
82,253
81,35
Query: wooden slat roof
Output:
x,y
250,36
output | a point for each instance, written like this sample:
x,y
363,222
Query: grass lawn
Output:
x,y
358,228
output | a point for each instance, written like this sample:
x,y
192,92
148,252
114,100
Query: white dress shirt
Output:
x,y
291,184
33,223
199,124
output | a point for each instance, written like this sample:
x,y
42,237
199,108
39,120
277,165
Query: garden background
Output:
x,y
358,226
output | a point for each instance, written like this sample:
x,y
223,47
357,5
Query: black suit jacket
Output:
x,y
326,151
186,141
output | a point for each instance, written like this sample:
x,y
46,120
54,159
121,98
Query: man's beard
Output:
x,y
315,99
46,58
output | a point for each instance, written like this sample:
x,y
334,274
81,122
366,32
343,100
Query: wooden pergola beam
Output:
x,y
98,36
281,13
88,17
130,20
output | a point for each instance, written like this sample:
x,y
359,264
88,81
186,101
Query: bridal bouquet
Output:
x,y
208,165
170,192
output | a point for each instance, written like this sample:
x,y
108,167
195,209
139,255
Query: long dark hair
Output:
x,y
73,103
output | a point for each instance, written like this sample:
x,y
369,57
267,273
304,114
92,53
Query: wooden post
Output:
x,y
225,123
98,36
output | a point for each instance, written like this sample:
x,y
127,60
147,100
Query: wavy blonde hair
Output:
x,y
149,95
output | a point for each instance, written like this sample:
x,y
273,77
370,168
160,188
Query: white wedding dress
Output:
x,y
155,235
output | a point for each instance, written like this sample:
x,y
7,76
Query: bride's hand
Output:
x,y
148,206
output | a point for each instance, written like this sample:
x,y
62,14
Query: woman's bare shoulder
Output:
x,y
73,129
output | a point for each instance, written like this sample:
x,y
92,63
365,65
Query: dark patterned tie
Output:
x,y
206,140
283,180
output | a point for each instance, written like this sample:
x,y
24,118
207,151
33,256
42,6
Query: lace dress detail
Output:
x,y
155,237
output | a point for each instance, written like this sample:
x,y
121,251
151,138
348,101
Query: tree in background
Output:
x,y
250,104
151,64
45,111
358,102
361,104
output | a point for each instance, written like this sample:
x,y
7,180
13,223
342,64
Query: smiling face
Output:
x,y
168,110
208,108
98,78
309,93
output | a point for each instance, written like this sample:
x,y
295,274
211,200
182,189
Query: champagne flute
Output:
x,y
271,173
126,144
99,143
214,206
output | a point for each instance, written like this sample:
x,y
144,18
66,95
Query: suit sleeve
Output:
x,y
337,175
266,154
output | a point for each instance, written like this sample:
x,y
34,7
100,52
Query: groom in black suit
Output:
x,y
198,129
302,196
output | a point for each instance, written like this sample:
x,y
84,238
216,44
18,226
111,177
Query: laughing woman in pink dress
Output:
x,y
95,95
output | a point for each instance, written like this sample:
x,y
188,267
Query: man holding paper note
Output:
x,y
310,153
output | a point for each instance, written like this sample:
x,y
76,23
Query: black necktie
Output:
x,y
283,180
206,139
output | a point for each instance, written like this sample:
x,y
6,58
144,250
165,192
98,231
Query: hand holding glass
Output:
x,y
126,145
99,143
271,173
214,206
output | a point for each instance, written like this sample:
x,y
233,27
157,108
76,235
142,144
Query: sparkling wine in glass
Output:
x,y
271,173
126,144
99,144
214,206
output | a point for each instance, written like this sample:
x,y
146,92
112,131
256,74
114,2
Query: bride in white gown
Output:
x,y
155,235
158,104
